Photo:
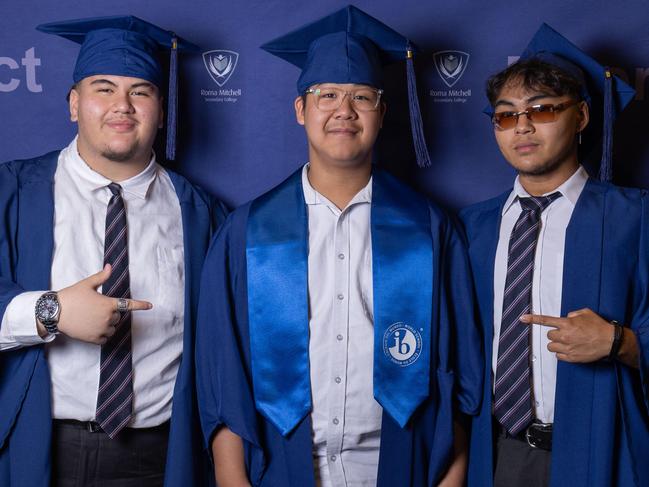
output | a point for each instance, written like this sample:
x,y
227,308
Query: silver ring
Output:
x,y
122,305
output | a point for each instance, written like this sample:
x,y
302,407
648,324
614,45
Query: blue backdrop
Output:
x,y
238,135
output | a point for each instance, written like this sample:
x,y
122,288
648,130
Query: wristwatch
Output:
x,y
48,310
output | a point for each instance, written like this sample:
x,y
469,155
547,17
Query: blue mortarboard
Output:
x,y
605,93
125,46
350,46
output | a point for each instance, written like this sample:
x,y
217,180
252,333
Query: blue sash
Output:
x,y
277,266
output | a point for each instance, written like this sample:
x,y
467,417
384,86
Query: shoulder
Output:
x,y
477,210
195,194
620,203
616,193
24,170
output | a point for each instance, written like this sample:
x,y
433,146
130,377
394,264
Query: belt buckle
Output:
x,y
93,427
536,441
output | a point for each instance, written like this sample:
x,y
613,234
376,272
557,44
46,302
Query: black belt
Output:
x,y
536,435
93,426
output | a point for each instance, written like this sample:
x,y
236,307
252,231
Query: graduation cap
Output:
x,y
350,46
126,46
607,95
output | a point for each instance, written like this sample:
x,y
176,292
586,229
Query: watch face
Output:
x,y
47,308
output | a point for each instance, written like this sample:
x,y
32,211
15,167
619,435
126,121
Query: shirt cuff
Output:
x,y
19,326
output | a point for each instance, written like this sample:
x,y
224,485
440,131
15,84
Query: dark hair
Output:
x,y
534,74
73,87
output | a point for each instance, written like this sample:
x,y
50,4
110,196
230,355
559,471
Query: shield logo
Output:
x,y
451,65
220,64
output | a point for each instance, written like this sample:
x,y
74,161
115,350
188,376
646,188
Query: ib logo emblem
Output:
x,y
402,344
451,65
220,64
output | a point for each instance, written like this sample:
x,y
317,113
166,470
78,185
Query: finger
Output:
x,y
136,305
544,320
564,357
578,312
101,277
554,335
557,347
110,331
116,316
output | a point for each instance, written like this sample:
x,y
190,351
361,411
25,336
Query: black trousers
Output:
x,y
520,465
136,458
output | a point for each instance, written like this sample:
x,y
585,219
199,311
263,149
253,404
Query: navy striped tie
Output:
x,y
513,389
115,395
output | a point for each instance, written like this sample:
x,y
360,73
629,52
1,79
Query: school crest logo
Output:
x,y
220,64
402,344
451,65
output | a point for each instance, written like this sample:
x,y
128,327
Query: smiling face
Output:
x,y
118,118
343,137
539,149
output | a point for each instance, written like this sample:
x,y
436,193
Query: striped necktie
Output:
x,y
115,395
513,389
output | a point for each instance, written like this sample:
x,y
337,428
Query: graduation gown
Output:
x,y
26,245
601,425
415,455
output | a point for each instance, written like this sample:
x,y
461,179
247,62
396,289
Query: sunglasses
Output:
x,y
536,114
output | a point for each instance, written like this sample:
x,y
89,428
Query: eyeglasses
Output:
x,y
535,114
330,99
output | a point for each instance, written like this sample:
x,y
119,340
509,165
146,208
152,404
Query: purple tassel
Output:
x,y
606,166
421,150
172,105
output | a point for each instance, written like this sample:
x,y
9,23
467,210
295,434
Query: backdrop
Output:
x,y
238,135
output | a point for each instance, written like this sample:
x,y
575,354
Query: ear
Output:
x,y
299,109
74,104
583,116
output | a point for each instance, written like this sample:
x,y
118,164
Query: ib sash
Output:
x,y
277,266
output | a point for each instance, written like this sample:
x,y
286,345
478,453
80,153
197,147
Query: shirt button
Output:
x,y
341,256
533,358
332,458
338,380
339,338
341,296
335,421
537,403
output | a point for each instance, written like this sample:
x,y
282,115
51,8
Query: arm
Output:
x,y
229,466
456,474
86,314
224,392
583,336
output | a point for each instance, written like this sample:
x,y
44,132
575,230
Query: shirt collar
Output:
x,y
312,197
571,189
91,180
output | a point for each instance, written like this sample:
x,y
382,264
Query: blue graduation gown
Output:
x,y
601,424
416,455
26,245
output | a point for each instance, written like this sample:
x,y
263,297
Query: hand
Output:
x,y
583,336
89,316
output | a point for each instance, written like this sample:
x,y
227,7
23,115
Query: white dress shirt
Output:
x,y
156,268
346,418
547,282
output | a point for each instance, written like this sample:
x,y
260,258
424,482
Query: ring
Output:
x,y
122,305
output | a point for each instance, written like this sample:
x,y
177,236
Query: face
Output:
x,y
341,137
536,149
118,118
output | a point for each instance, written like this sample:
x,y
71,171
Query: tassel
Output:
x,y
421,150
172,104
606,166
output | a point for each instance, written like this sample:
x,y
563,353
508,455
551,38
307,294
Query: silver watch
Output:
x,y
48,310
